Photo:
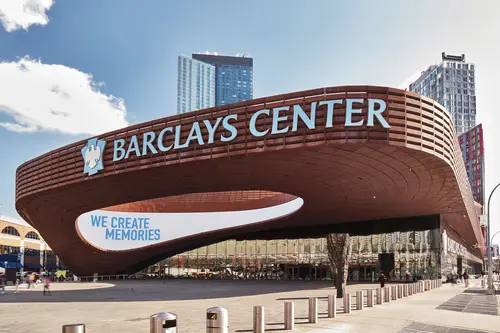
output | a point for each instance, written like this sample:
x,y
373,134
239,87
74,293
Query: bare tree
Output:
x,y
339,251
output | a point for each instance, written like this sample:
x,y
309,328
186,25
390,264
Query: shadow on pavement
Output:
x,y
160,290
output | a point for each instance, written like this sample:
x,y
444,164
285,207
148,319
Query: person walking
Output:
x,y
46,286
382,278
17,285
408,276
2,283
466,279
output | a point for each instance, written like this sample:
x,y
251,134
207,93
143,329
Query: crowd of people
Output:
x,y
30,280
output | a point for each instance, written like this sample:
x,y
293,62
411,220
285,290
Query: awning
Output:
x,y
8,258
51,267
11,265
31,265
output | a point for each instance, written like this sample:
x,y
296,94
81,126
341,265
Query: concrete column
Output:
x,y
394,293
422,287
379,293
387,294
405,290
313,310
332,306
359,300
400,291
410,289
289,316
347,303
369,297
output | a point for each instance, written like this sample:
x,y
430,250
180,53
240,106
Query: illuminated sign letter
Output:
x,y
211,129
195,133
350,111
133,146
329,111
118,148
147,142
298,112
161,146
277,119
377,113
177,143
253,120
229,128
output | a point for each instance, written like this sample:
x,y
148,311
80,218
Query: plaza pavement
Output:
x,y
125,306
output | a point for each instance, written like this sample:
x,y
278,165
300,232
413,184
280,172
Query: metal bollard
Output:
x,y
379,292
409,289
163,322
387,294
347,303
73,328
359,300
369,298
332,306
483,284
421,286
427,285
394,295
289,316
313,310
400,291
258,319
217,320
467,283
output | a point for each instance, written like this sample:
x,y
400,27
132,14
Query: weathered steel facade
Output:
x,y
344,174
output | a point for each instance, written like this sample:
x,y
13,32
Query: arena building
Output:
x,y
381,164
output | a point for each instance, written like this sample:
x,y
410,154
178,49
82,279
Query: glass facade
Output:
x,y
195,85
233,77
452,84
416,251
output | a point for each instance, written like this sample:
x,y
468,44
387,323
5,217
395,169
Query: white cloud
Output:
x,y
21,14
43,97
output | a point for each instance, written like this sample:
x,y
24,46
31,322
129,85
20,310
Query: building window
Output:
x,y
11,231
32,235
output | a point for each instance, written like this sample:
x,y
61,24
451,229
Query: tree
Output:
x,y
339,251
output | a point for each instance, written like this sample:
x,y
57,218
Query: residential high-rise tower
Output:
x,y
471,143
195,85
452,84
233,77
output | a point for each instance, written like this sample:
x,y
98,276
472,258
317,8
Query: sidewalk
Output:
x,y
395,316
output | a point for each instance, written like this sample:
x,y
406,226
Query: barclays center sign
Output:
x,y
169,138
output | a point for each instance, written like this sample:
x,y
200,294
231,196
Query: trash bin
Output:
x,y
217,320
163,322
73,328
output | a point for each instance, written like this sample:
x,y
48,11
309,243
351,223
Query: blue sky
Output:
x,y
133,46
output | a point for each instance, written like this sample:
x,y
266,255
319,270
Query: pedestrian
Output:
x,y
17,286
407,276
382,278
2,283
28,281
466,278
46,285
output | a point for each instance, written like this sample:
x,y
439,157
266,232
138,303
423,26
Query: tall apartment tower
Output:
x,y
452,84
195,85
471,143
233,77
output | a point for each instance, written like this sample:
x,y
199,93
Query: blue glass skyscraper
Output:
x,y
233,77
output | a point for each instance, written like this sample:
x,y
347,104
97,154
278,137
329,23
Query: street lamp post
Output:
x,y
488,246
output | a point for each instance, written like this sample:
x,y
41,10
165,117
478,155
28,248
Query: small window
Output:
x,y
32,235
11,231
